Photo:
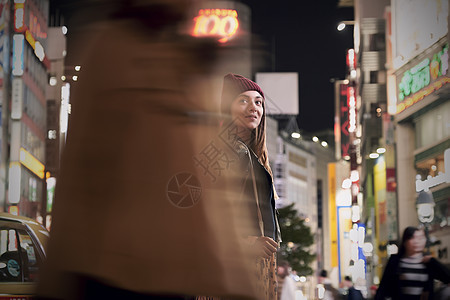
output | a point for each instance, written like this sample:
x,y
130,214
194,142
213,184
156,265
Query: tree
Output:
x,y
297,238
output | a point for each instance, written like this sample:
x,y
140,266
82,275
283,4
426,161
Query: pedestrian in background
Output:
x,y
410,274
329,291
352,292
286,284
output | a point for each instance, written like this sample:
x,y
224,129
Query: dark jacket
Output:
x,y
390,286
264,193
354,294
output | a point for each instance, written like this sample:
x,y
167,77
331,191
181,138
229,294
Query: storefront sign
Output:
x,y
430,181
423,79
222,23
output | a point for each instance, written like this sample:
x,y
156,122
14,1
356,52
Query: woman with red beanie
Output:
x,y
243,108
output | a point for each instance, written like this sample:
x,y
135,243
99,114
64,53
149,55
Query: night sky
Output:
x,y
304,37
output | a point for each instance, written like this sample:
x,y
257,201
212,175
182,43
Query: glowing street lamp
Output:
x,y
341,26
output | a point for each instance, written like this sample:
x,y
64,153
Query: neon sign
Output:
x,y
35,27
422,79
351,59
351,109
222,23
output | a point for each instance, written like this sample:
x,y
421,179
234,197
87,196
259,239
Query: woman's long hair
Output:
x,y
258,143
408,234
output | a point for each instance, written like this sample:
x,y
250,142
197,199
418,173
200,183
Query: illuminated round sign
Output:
x,y
222,23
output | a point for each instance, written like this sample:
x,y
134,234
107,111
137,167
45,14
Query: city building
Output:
x,y
58,109
376,151
24,81
419,100
402,129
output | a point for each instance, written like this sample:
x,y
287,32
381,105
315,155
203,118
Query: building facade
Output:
x,y
24,106
402,100
420,101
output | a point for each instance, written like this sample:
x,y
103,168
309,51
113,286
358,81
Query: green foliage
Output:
x,y
297,238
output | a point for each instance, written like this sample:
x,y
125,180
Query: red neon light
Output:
x,y
351,60
35,27
222,23
351,102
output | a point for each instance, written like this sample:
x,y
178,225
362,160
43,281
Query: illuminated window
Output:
x,y
377,42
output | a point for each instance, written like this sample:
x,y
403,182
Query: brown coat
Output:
x,y
138,122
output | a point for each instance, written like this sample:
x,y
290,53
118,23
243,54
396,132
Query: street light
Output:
x,y
341,26
425,212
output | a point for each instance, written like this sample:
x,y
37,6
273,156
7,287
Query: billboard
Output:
x,y
281,92
418,25
422,77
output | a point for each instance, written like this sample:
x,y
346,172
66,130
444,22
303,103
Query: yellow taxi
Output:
x,y
22,252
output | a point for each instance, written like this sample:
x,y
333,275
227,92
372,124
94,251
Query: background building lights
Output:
x,y
295,135
374,155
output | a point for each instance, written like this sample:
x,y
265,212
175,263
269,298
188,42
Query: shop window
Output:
x,y
441,214
377,42
433,126
431,166
377,77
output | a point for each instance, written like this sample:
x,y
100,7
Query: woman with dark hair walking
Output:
x,y
409,274
243,108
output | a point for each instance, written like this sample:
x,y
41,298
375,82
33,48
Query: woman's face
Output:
x,y
247,109
417,243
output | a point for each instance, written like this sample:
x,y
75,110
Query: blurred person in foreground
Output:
x,y
135,216
286,284
410,274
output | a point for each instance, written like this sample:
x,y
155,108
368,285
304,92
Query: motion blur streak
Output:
x,y
133,210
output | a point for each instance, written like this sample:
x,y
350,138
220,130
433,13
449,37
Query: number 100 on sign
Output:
x,y
222,23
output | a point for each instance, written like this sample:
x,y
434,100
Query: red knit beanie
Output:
x,y
233,85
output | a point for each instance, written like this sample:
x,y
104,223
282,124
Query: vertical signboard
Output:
x,y
17,99
380,206
14,182
344,242
18,53
391,199
332,214
344,121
